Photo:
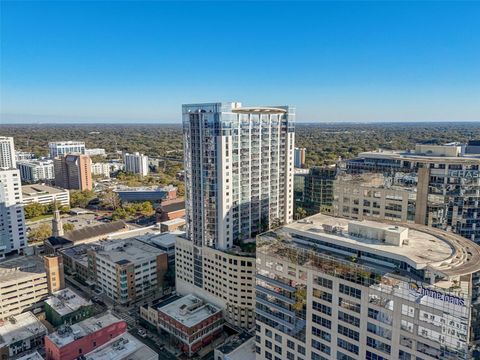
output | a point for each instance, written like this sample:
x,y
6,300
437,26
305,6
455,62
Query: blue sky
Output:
x,y
335,61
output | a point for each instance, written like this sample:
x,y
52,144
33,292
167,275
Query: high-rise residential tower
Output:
x,y
7,153
239,183
12,219
59,148
136,163
73,172
238,170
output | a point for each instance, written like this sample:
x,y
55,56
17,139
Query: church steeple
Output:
x,y
57,224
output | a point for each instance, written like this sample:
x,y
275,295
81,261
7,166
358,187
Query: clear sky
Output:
x,y
335,61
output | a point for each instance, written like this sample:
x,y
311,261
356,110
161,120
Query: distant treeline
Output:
x,y
325,143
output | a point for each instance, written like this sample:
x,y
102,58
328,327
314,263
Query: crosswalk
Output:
x,y
128,319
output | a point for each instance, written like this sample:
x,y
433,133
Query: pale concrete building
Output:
x,y
136,163
127,270
23,284
332,288
61,148
13,233
32,171
374,196
7,153
45,195
228,280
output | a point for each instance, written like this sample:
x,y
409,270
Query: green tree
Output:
x,y
40,233
68,227
300,213
34,209
81,198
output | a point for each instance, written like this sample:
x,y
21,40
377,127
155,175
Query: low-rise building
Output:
x,y
177,224
31,356
67,307
191,322
127,270
45,195
23,284
75,261
146,193
123,347
20,334
101,169
170,210
84,235
237,347
95,152
32,171
70,342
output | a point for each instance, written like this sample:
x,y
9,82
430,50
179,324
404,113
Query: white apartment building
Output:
x,y
23,283
7,153
60,148
24,155
102,169
127,270
136,163
13,234
332,288
95,152
45,195
32,171
238,170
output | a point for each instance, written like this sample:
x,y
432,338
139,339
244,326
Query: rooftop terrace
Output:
x,y
420,246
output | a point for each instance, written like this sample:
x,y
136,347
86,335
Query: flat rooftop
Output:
x,y
20,267
125,346
32,356
126,251
239,347
406,155
39,190
189,310
423,247
163,240
69,333
20,327
177,221
66,301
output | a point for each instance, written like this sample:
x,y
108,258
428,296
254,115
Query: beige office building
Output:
x,y
228,278
373,196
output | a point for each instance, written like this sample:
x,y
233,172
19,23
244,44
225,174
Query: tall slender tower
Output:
x,y
57,223
238,170
7,153
239,183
